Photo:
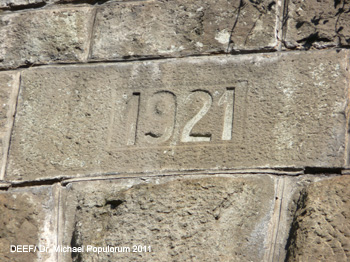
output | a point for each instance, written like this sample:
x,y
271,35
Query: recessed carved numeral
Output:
x,y
228,100
186,133
160,117
133,113
153,118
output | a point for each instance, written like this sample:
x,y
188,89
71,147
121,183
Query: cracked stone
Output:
x,y
181,28
317,24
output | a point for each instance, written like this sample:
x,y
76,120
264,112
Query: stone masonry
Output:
x,y
154,130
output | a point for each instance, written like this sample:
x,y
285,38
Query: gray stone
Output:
x,y
28,218
24,4
44,36
8,4
9,84
321,231
317,24
182,27
11,4
263,110
191,219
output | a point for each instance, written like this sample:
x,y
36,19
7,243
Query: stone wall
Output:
x,y
176,130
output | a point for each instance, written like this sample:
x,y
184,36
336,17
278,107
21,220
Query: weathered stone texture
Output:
x,y
197,219
182,27
23,4
321,228
319,24
44,36
138,117
8,4
288,193
27,218
9,84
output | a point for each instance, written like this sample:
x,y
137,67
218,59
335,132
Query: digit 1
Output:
x,y
228,99
133,116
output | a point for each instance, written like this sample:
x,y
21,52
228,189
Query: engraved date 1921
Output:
x,y
156,117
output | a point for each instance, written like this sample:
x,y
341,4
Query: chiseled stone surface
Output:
x,y
189,219
44,36
317,24
28,218
182,27
321,227
248,111
9,84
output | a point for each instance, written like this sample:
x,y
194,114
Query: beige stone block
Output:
x,y
190,219
288,191
45,36
218,113
9,85
28,221
317,24
182,27
320,230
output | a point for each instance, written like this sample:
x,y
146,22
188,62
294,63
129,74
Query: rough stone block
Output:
x,y
8,4
262,110
321,227
44,36
9,84
288,189
28,218
182,27
317,24
192,219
